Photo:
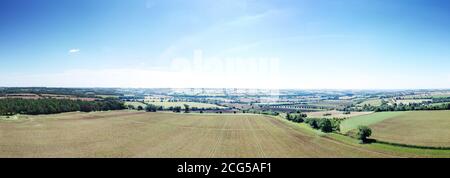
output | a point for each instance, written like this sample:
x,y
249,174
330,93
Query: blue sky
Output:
x,y
334,44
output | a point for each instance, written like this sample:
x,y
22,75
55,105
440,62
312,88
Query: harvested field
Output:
x,y
141,134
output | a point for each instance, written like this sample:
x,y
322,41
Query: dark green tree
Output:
x,y
151,108
363,133
186,108
177,109
325,125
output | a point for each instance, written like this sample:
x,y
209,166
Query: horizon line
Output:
x,y
99,87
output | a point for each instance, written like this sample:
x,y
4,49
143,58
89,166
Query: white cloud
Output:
x,y
75,50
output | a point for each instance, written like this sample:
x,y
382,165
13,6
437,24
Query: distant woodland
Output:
x,y
11,106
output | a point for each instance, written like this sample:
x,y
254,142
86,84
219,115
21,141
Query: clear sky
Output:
x,y
331,44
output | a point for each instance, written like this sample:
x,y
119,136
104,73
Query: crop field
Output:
x,y
423,128
141,134
181,104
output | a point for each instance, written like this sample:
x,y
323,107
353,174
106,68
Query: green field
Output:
x,y
420,128
354,122
423,128
181,104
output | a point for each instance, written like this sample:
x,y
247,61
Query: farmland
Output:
x,y
408,101
354,122
423,128
181,104
238,124
141,134
372,102
334,114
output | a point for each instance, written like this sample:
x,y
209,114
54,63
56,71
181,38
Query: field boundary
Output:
x,y
412,146
401,144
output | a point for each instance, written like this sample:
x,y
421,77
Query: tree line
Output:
x,y
177,109
13,106
79,92
406,107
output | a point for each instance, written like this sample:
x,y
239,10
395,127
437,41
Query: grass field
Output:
x,y
141,134
181,104
354,122
424,128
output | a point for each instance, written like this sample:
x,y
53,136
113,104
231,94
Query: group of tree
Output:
x,y
175,109
271,113
324,124
12,106
132,107
298,117
257,111
152,108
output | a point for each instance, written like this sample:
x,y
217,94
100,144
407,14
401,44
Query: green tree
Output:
x,y
151,108
313,123
288,116
325,125
363,133
177,109
130,106
186,108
